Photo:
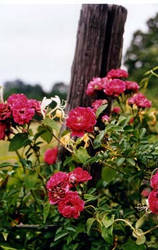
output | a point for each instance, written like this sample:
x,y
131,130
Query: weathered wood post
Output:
x,y
98,48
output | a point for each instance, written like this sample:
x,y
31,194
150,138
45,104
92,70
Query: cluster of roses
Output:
x,y
82,119
17,110
153,195
60,192
113,86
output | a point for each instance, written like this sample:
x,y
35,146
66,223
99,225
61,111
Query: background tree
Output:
x,y
141,55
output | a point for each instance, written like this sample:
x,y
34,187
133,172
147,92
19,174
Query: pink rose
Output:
x,y
133,86
81,120
79,175
140,100
154,181
50,156
57,187
71,205
117,73
116,110
4,111
153,201
94,85
105,118
114,87
98,103
2,130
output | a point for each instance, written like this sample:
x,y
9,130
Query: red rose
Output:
x,y
36,105
94,85
50,156
145,193
140,100
116,110
57,186
81,120
114,87
133,86
2,130
4,111
153,201
131,120
71,205
21,110
154,181
117,73
98,103
79,175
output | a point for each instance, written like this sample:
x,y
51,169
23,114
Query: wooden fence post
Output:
x,y
98,48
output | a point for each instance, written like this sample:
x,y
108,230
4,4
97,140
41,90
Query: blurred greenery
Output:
x,y
34,91
141,56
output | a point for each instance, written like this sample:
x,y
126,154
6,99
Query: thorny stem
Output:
x,y
150,230
134,229
126,222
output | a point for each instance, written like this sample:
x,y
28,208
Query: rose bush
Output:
x,y
101,191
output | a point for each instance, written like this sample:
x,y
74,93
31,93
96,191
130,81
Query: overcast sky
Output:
x,y
37,41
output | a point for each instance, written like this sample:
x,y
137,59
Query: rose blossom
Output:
x,y
153,201
57,186
116,110
16,98
21,110
35,104
2,130
115,87
105,118
50,156
81,120
96,104
154,181
117,73
79,175
133,86
71,205
140,100
4,111
94,85
145,193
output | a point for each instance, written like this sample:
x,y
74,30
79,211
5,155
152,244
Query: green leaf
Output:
x,y
131,245
108,221
81,155
46,210
30,181
60,235
101,109
18,141
51,123
89,224
140,240
106,233
108,174
141,221
98,139
120,161
142,132
46,133
131,161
